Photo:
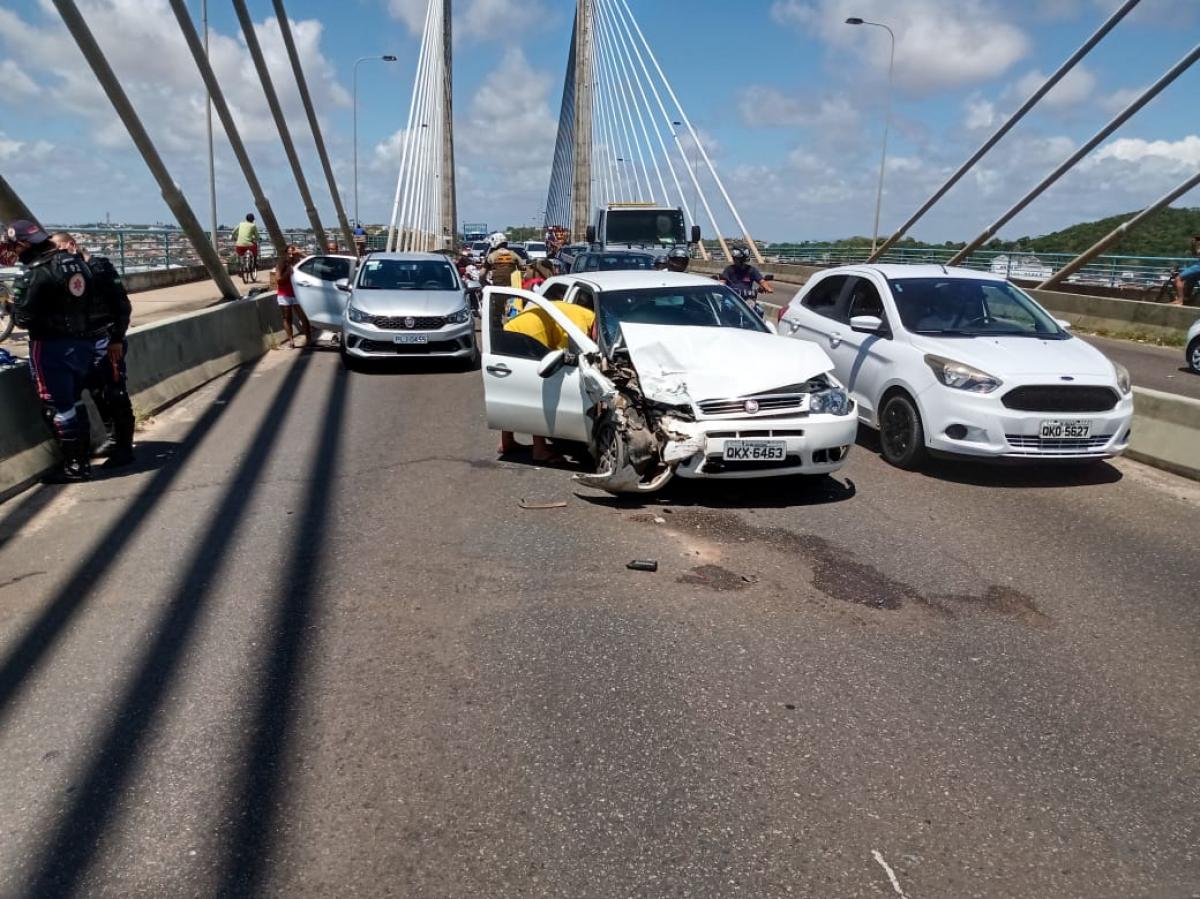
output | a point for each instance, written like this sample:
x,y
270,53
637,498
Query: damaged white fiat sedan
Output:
x,y
678,377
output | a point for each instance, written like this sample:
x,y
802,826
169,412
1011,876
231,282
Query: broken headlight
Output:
x,y
833,401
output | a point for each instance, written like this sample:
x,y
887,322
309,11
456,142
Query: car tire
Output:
x,y
608,451
471,363
901,433
1193,356
349,361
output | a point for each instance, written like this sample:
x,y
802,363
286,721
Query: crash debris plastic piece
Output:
x,y
643,565
526,504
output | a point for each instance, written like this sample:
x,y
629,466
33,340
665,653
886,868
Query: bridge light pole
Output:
x,y
887,121
385,58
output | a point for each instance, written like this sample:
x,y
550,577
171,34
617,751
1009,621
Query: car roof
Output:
x,y
411,257
640,280
892,270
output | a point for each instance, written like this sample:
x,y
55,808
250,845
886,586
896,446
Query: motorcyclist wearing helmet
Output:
x,y
501,262
660,263
677,260
741,275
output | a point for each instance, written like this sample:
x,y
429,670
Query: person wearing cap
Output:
x,y
53,300
1188,275
106,382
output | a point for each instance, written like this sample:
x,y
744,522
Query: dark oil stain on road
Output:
x,y
838,575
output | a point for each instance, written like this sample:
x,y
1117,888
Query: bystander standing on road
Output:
x,y
1188,275
106,380
360,239
53,299
286,295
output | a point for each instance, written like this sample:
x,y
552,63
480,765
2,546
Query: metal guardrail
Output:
x,y
1144,272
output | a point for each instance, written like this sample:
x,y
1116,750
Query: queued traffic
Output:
x,y
614,347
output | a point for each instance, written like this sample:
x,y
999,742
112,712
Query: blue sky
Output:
x,y
788,99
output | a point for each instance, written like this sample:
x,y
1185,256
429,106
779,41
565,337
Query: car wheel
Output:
x,y
471,363
901,434
609,450
1193,355
349,361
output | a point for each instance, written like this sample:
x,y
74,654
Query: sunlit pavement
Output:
x,y
314,646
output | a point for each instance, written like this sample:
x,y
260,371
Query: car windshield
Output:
x,y
400,274
536,247
614,262
480,245
711,307
644,226
968,307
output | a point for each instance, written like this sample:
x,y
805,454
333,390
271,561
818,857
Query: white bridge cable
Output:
x,y
689,219
412,104
619,102
605,17
423,136
628,100
753,247
667,117
601,133
608,122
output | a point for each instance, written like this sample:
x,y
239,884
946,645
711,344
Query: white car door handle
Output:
x,y
499,370
835,339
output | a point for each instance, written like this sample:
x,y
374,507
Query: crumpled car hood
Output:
x,y
677,364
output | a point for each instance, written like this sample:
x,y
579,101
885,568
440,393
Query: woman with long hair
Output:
x,y
286,296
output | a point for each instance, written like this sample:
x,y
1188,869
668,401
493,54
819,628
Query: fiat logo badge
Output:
x,y
409,322
751,406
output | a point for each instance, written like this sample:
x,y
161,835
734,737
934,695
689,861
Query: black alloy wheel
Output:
x,y
901,435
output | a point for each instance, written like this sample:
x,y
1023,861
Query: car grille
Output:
x,y
399,322
1056,446
716,465
1060,398
767,403
411,349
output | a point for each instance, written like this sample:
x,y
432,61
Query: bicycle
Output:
x,y
248,265
1167,292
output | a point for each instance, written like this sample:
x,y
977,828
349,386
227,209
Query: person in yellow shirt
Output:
x,y
535,322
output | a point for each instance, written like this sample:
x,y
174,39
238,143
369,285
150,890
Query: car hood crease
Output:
x,y
678,363
1021,356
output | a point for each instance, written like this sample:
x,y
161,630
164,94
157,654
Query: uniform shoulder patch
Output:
x,y
77,285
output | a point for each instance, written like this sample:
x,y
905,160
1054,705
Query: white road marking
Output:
x,y
890,873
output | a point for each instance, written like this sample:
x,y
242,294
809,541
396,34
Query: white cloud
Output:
x,y
478,19
1076,87
766,107
10,148
1119,99
980,114
939,43
15,80
1183,153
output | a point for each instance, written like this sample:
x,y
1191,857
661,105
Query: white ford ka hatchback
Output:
x,y
955,361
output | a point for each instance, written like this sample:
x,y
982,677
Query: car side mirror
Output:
x,y
866,324
552,363
768,277
695,234
342,284
1063,323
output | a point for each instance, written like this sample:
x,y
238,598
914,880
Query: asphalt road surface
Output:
x,y
1156,367
314,646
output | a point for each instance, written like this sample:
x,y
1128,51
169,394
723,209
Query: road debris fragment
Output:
x,y
643,565
527,504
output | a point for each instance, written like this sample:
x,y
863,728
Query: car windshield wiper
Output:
x,y
950,332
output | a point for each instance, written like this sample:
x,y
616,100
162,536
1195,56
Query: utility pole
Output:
x,y
582,191
449,197
12,207
285,137
171,193
285,28
179,7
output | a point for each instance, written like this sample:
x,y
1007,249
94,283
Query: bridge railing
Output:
x,y
1115,271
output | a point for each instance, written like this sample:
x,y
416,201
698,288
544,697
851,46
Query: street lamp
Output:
x,y
887,121
387,58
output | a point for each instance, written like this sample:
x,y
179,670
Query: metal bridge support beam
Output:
x,y
1117,233
584,68
449,197
179,7
285,28
12,206
285,137
171,193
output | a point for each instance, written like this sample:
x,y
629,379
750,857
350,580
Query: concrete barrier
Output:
x,y
1166,431
167,360
135,282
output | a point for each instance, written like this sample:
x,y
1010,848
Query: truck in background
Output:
x,y
640,226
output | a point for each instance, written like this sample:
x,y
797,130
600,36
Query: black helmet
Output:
x,y
660,262
739,256
678,259
678,253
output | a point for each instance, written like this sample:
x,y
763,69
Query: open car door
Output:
x,y
314,281
517,397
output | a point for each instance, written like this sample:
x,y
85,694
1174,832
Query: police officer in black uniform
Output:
x,y
108,322
52,300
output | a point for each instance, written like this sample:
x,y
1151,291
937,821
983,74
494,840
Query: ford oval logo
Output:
x,y
751,406
409,322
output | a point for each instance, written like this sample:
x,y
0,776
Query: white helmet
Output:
x,y
498,239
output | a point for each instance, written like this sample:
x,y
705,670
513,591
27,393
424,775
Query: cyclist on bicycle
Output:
x,y
1188,275
245,238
